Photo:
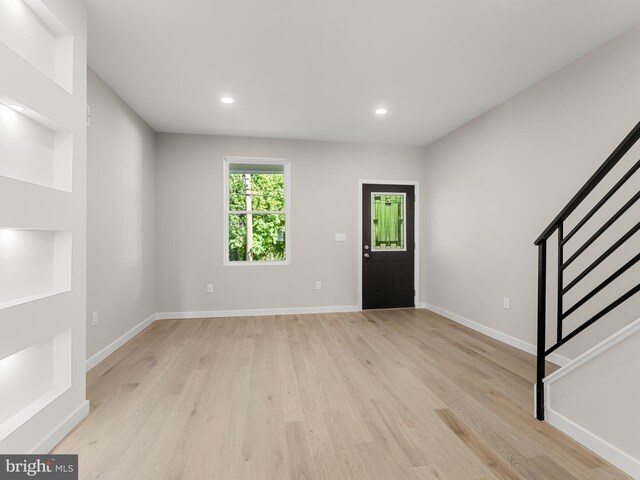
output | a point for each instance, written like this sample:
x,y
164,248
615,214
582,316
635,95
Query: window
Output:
x,y
388,229
256,211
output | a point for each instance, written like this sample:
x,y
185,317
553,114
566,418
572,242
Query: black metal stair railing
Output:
x,y
557,226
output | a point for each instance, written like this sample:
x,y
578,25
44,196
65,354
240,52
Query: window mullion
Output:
x,y
256,212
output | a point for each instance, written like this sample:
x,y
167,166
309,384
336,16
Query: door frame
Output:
x,y
416,233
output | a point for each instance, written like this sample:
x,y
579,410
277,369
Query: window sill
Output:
x,y
227,263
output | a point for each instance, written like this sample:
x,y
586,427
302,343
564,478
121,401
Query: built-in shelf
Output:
x,y
42,233
32,378
30,29
33,264
32,149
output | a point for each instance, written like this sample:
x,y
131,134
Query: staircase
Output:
x,y
587,282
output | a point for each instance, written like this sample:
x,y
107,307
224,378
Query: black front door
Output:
x,y
388,246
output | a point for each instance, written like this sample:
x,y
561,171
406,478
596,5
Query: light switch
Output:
x,y
341,237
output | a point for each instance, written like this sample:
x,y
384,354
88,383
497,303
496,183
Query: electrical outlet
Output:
x,y
318,284
209,287
506,303
94,319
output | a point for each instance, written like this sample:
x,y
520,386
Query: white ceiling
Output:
x,y
316,69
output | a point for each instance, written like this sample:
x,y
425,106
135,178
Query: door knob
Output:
x,y
366,255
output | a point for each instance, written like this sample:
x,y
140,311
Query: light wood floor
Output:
x,y
388,395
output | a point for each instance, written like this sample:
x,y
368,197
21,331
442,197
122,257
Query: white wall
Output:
x,y
50,83
324,186
493,185
583,397
120,217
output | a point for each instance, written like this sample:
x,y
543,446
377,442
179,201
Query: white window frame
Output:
x,y
286,212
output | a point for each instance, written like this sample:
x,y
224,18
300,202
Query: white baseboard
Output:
x,y
53,438
255,312
112,347
601,447
496,334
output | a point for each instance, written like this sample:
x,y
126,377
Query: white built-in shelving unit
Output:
x,y
42,222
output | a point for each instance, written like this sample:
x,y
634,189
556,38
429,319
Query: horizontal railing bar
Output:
x,y
595,318
593,181
604,200
599,288
602,229
601,258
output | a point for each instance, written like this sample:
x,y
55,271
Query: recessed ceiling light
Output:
x,y
381,111
227,100
17,108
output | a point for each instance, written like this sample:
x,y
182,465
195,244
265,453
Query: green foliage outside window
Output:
x,y
256,192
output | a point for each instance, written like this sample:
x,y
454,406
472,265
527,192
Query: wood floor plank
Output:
x,y
300,461
344,448
380,466
374,395
500,469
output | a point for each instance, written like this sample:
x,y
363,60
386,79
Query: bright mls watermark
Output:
x,y
51,467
